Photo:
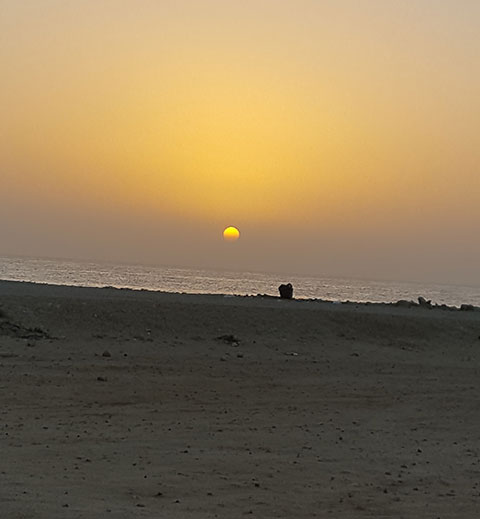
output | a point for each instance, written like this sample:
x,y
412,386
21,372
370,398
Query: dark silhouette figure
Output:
x,y
286,291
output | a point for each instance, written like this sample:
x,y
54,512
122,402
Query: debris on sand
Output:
x,y
423,303
21,332
229,339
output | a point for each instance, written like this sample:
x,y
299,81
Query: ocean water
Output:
x,y
169,279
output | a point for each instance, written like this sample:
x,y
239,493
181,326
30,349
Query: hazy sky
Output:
x,y
341,137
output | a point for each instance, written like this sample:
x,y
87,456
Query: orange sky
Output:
x,y
137,131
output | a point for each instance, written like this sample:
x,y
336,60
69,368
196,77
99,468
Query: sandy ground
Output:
x,y
123,404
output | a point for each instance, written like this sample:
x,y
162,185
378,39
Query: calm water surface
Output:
x,y
168,279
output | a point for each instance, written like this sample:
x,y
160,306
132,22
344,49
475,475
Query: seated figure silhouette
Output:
x,y
286,291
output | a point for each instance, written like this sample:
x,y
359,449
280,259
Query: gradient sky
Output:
x,y
341,137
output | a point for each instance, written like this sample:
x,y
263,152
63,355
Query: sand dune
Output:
x,y
127,404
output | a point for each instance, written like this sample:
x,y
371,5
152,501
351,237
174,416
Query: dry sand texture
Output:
x,y
119,404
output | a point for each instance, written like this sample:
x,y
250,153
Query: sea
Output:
x,y
196,281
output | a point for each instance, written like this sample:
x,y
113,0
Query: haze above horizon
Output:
x,y
341,138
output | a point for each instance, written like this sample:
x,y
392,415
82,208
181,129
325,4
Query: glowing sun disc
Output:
x,y
231,234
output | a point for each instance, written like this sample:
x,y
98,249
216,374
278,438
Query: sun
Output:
x,y
231,234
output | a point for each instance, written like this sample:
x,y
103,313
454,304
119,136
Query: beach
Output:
x,y
120,403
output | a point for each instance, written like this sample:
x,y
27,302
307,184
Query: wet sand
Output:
x,y
126,404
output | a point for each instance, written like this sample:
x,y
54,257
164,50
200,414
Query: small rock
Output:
x,y
106,353
101,379
424,303
229,339
404,303
467,308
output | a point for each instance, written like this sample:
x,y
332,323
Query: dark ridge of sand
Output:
x,y
118,403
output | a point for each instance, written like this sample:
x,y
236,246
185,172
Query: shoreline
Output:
x,y
178,280
61,288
